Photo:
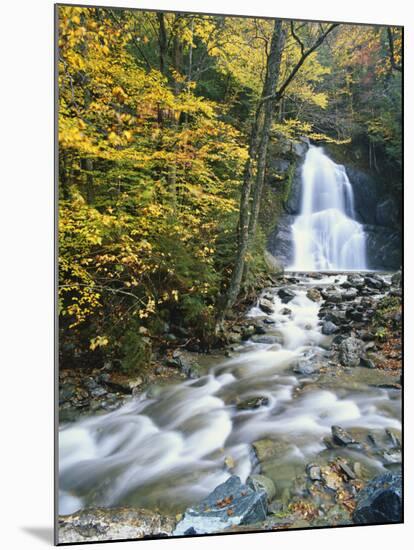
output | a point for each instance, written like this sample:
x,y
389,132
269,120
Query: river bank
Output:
x,y
303,405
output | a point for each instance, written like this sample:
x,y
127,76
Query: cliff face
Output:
x,y
376,208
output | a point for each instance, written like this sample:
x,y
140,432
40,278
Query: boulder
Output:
x,y
260,482
329,328
314,295
286,295
350,351
305,367
380,501
103,524
231,503
341,437
266,306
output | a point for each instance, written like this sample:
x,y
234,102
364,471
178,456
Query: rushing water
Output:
x,y
172,450
326,235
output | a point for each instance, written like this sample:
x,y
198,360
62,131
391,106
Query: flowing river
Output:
x,y
170,451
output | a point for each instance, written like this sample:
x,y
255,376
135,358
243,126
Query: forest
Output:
x,y
164,125
230,285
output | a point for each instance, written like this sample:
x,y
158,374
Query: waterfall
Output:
x,y
326,235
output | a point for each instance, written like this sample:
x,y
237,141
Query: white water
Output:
x,y
326,235
170,451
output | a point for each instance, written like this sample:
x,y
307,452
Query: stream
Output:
x,y
170,451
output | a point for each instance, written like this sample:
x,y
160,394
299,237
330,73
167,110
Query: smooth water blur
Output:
x,y
171,451
326,235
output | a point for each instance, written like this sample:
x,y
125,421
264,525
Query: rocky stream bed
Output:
x,y
296,424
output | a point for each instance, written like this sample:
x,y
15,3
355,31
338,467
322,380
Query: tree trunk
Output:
x,y
248,176
272,77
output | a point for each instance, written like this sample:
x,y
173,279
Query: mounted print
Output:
x,y
229,338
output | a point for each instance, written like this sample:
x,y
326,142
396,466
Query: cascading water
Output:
x,y
170,450
326,235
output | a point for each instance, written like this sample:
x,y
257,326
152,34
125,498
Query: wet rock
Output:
x,y
260,482
347,470
367,362
329,328
314,295
341,437
314,472
285,311
374,282
336,316
266,339
266,306
305,367
332,295
356,280
350,351
185,361
396,279
253,403
350,294
286,295
102,524
231,503
269,321
380,501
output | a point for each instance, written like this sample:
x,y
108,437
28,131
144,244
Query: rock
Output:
x,y
314,295
286,295
355,280
269,321
380,501
266,339
185,361
253,403
341,437
350,294
103,524
350,351
329,328
123,383
368,363
396,279
332,295
387,213
347,470
374,282
384,250
231,503
280,243
266,306
285,311
336,316
260,482
303,366
314,472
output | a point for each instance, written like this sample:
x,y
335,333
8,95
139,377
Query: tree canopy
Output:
x,y
156,112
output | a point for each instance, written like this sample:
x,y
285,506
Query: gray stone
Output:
x,y
350,351
103,524
396,279
341,437
303,366
266,306
286,295
380,501
231,503
329,328
260,482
